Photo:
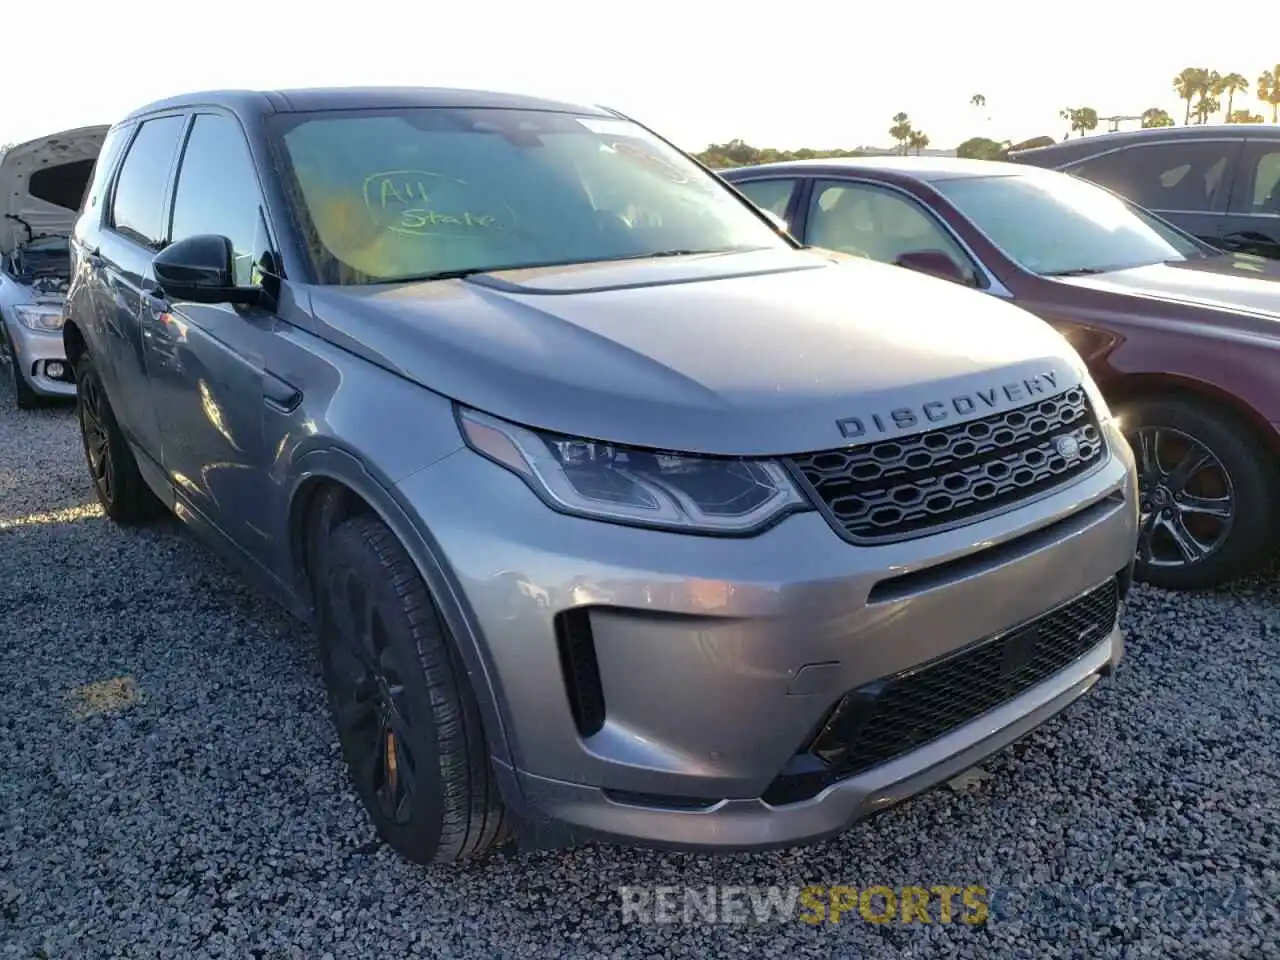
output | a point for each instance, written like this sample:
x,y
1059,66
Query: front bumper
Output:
x,y
32,352
715,660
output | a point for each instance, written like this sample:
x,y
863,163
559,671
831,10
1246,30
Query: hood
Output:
x,y
42,182
741,354
1240,283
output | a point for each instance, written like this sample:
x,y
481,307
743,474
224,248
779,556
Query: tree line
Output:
x,y
1208,95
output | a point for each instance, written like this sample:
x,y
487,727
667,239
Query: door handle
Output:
x,y
279,393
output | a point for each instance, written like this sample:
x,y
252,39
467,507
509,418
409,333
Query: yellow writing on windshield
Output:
x,y
422,203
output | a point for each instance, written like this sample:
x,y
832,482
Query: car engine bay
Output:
x,y
42,264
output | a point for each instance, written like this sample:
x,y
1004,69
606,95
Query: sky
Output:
x,y
812,75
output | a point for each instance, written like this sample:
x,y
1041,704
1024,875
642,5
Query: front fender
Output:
x,y
343,468
1235,372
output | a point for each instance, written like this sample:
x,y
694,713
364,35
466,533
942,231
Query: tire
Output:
x,y
124,495
397,689
24,396
1235,533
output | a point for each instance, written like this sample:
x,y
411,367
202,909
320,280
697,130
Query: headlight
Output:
x,y
627,485
40,318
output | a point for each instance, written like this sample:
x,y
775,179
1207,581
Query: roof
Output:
x,y
1106,141
358,98
919,168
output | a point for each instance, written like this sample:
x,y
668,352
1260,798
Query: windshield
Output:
x,y
414,193
1058,225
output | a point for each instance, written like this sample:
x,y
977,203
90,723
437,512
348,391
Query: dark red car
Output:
x,y
1184,340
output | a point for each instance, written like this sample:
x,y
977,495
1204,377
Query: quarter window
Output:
x,y
771,195
137,210
115,139
218,191
873,222
1190,177
1266,182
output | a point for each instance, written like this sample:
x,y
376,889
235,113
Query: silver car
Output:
x,y
616,513
42,182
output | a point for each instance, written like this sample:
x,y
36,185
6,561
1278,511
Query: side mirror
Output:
x,y
201,269
933,262
775,219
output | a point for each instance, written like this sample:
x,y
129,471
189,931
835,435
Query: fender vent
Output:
x,y
581,671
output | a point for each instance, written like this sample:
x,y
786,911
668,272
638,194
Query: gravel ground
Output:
x,y
208,814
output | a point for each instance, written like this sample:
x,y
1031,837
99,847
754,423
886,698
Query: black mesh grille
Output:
x,y
580,669
896,715
897,489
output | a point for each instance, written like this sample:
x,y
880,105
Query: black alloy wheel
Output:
x,y
97,441
1187,502
117,482
369,703
407,718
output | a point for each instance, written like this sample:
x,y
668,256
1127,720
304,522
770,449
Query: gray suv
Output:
x,y
617,514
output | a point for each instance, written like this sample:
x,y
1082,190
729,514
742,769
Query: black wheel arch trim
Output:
x,y
341,467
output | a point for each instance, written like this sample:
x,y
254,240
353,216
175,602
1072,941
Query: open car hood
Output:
x,y
76,150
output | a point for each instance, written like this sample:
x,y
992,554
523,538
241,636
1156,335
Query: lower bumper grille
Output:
x,y
893,716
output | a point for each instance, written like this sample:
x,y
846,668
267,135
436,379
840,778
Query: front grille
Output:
x,y
898,714
898,489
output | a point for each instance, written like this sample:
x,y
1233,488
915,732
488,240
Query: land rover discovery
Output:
x,y
617,514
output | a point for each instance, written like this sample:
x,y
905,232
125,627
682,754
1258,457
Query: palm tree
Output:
x,y
1231,84
1086,120
1207,104
901,131
979,102
1155,117
1245,116
1269,90
1083,119
917,141
1189,83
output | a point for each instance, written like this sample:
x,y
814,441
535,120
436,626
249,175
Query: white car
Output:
x,y
41,185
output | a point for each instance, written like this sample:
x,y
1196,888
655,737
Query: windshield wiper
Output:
x,y
499,268
656,254
1077,272
687,253
441,275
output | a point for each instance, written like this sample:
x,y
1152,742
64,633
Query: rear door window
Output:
x,y
137,208
1189,176
773,195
